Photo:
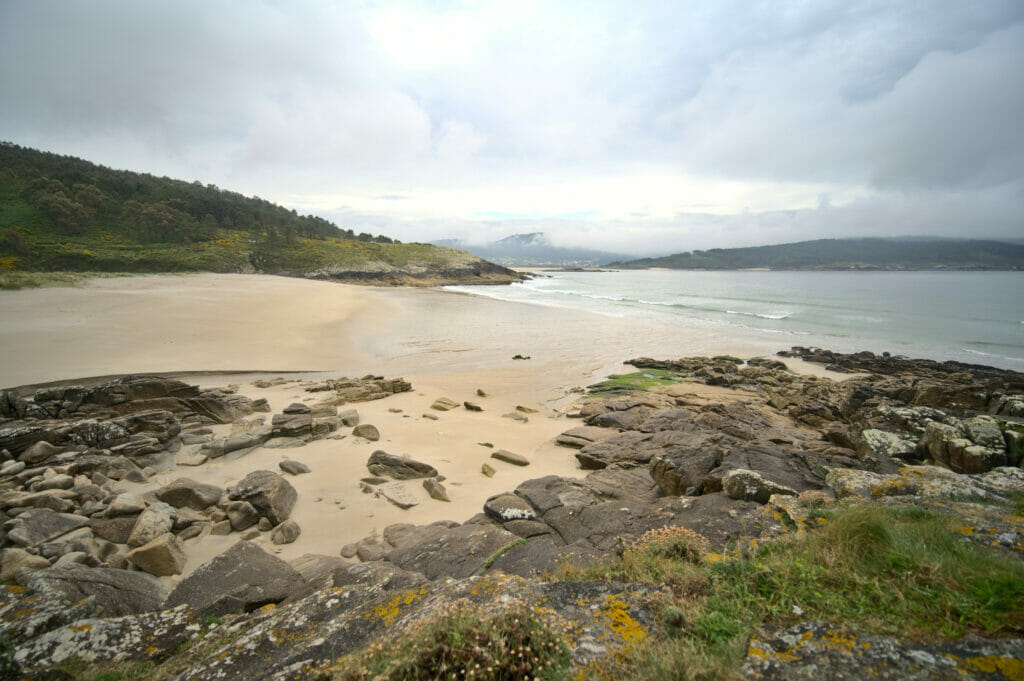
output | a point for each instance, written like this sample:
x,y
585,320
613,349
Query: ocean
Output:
x,y
975,317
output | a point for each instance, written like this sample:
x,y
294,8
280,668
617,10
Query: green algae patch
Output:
x,y
638,381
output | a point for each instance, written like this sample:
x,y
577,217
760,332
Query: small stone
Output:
x,y
472,406
198,459
249,535
286,532
435,489
191,532
293,467
242,515
510,457
125,504
395,410
432,417
489,445
444,404
222,528
162,557
367,432
481,393
516,416
525,410
264,525
349,418
487,470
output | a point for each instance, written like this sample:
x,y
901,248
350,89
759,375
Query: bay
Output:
x,y
974,317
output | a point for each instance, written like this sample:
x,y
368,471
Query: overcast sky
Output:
x,y
630,126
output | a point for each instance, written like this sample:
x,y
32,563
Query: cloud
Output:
x,y
639,126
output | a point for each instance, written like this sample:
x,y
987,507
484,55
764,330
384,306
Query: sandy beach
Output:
x,y
446,344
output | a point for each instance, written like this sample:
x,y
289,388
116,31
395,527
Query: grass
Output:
x,y
502,551
902,572
636,381
518,644
15,281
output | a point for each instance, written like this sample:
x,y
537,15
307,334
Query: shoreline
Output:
x,y
447,344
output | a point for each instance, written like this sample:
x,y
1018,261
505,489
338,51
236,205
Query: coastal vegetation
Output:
x,y
848,254
65,214
901,571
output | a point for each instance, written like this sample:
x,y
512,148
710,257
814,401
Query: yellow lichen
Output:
x,y
1012,669
616,617
388,612
81,627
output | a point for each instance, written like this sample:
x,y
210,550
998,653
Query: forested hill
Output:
x,y
65,213
850,254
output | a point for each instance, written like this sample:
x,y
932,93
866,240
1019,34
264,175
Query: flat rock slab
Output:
x,y
284,443
241,579
397,495
439,551
115,592
582,436
154,636
39,525
510,457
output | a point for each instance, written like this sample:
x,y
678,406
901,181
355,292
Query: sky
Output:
x,y
633,127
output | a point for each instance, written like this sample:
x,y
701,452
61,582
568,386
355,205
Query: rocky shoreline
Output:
x,y
739,453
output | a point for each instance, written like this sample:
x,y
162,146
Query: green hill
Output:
x,y
60,213
849,254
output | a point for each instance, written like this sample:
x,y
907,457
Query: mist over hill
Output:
x,y
905,253
532,250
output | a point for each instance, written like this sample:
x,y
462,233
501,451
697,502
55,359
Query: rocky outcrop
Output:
x,y
755,460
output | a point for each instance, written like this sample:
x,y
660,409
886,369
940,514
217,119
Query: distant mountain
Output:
x,y
531,250
913,253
